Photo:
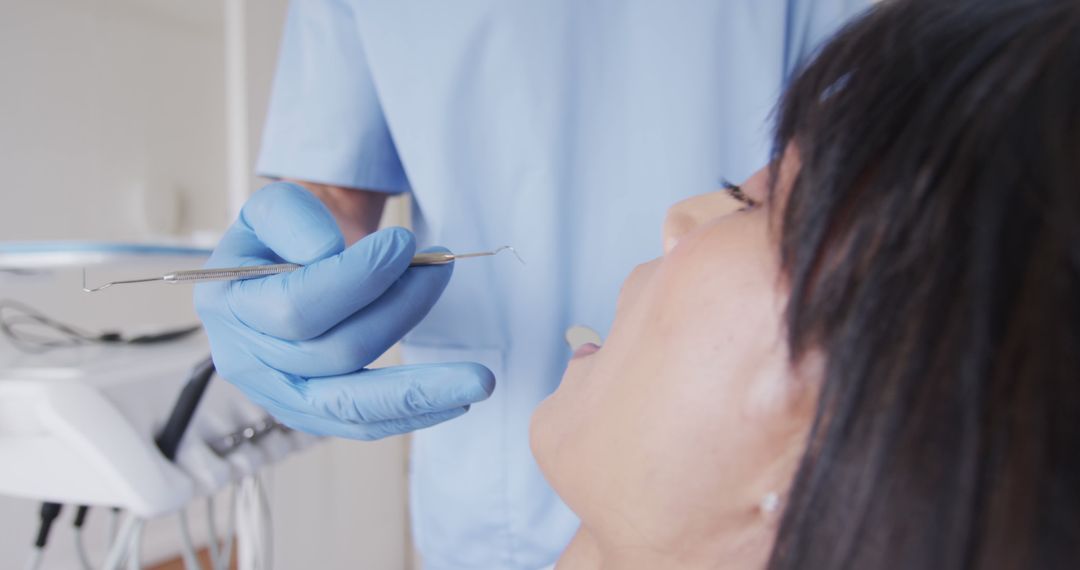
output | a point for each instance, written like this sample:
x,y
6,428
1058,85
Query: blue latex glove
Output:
x,y
297,343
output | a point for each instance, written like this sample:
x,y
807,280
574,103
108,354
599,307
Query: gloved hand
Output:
x,y
297,343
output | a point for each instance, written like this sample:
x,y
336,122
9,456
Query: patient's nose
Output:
x,y
690,214
687,215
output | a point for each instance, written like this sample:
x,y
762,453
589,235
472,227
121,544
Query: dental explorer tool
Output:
x,y
254,271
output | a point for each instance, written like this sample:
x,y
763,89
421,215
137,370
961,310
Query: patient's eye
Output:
x,y
736,192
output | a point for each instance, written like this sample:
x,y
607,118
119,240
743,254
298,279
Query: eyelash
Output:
x,y
736,192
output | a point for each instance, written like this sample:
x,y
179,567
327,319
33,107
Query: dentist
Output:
x,y
564,128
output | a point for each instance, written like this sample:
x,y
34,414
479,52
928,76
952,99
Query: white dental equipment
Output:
x,y
78,424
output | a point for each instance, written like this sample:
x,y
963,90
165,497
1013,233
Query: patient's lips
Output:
x,y
585,350
583,340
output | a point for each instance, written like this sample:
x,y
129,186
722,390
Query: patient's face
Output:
x,y
690,414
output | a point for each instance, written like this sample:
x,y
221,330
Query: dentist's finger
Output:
x,y
398,392
293,223
375,430
363,336
305,303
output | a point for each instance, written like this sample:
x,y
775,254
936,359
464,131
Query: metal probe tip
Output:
x,y
111,283
511,250
87,289
493,252
84,288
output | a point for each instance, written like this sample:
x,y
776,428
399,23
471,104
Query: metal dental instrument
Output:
x,y
440,258
254,271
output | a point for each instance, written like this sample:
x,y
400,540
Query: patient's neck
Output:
x,y
741,550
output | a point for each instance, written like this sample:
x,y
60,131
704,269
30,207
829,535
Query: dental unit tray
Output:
x,y
83,432
78,424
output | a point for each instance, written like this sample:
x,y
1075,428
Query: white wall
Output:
x,y
107,105
113,126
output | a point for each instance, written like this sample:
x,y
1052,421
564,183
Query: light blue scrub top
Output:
x,y
562,127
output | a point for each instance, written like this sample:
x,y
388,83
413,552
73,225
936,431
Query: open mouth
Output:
x,y
583,340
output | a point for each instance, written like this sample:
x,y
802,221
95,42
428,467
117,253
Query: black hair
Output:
x,y
931,242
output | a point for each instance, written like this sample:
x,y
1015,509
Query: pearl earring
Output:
x,y
770,502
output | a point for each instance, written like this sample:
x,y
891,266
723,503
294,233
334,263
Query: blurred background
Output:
x,y
139,120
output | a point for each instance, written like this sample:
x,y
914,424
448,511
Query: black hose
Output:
x,y
49,512
168,440
80,516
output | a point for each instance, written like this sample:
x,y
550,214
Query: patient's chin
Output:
x,y
563,431
542,434
551,432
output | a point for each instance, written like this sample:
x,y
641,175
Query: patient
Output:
x,y
868,355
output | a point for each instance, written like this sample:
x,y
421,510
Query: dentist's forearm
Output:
x,y
357,211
